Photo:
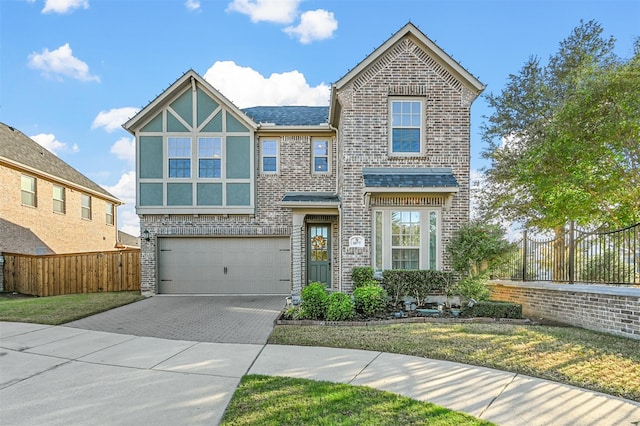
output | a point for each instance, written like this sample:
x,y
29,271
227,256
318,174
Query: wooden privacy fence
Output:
x,y
57,274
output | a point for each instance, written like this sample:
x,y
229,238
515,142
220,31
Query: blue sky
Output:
x,y
72,71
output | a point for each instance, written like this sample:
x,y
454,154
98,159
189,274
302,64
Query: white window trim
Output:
x,y
198,178
34,192
262,156
63,200
424,236
391,152
190,158
84,208
110,213
313,156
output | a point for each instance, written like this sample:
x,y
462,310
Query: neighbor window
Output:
x,y
85,206
209,157
406,126
320,153
28,191
269,156
59,199
179,154
109,213
406,239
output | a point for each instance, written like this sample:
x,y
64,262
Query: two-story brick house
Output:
x,y
46,205
266,199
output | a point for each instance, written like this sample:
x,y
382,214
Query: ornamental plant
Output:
x,y
370,300
340,307
314,302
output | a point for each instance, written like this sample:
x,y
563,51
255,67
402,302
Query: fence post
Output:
x,y
572,252
524,255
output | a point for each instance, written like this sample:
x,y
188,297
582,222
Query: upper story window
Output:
x,y
406,126
28,191
320,154
85,206
179,154
110,213
269,154
59,199
209,157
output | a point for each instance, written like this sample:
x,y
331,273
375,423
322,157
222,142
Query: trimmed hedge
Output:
x,y
370,300
314,302
340,307
494,309
416,283
361,275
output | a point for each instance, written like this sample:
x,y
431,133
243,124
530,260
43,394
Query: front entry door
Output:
x,y
319,253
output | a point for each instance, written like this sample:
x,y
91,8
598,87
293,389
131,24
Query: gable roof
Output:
x,y
187,79
20,151
450,64
289,115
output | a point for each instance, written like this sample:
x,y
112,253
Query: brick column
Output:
x,y
296,253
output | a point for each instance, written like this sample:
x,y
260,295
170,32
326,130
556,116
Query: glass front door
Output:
x,y
319,254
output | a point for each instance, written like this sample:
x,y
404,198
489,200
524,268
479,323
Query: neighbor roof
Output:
x,y
440,177
289,115
21,151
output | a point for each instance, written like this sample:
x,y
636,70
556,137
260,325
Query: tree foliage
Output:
x,y
564,140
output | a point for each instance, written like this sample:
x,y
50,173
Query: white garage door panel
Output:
x,y
224,265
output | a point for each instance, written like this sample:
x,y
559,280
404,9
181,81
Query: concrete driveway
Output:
x,y
216,319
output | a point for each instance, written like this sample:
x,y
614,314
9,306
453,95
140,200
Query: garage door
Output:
x,y
224,265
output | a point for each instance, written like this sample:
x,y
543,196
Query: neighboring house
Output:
x,y
267,199
46,205
127,241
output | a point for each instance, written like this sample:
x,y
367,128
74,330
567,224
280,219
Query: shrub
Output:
x,y
361,275
314,302
493,309
370,300
340,307
416,283
473,288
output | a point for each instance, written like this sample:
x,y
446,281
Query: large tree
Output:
x,y
564,138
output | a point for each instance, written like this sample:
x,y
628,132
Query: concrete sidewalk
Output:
x,y
61,375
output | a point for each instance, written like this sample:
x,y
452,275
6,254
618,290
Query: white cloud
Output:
x,y
61,62
64,6
314,25
125,149
125,190
246,87
114,118
49,141
277,11
192,5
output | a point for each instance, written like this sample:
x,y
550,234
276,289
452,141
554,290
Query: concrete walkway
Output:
x,y
61,375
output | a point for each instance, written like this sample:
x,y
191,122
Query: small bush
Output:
x,y
492,309
416,283
474,288
370,300
340,307
314,302
361,275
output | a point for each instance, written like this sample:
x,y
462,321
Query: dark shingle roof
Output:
x,y
289,115
18,148
315,197
409,178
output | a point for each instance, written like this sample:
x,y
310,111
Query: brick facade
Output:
x,y
38,230
614,310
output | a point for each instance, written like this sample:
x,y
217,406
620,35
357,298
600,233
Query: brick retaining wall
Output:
x,y
614,310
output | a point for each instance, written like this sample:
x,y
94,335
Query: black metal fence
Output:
x,y
577,256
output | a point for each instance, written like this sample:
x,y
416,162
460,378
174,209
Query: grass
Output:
x,y
263,400
574,356
56,310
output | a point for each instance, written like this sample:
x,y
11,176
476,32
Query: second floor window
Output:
x,y
85,206
28,191
210,157
269,156
320,153
406,127
59,199
179,153
110,213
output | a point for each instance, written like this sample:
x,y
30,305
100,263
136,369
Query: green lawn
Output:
x,y
58,310
574,356
262,400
